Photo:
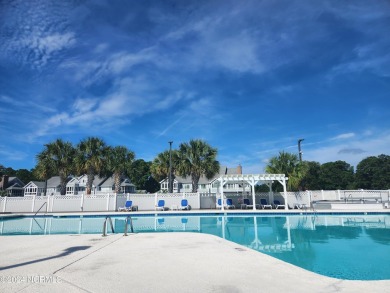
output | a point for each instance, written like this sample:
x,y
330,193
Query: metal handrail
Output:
x,y
105,226
40,208
126,225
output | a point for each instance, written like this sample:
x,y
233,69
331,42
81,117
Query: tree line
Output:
x,y
92,156
371,173
196,158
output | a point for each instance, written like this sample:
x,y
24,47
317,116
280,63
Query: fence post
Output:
x,y
82,202
108,201
338,194
308,193
199,198
33,204
115,201
48,203
322,194
155,199
5,204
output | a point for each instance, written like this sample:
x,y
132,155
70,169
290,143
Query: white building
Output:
x,y
210,186
77,185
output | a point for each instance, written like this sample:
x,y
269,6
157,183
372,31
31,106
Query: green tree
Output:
x,y
119,160
373,173
289,165
311,180
56,159
139,173
25,175
160,165
336,175
151,185
91,159
196,159
2,170
8,171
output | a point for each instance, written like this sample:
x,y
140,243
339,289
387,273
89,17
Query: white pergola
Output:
x,y
252,180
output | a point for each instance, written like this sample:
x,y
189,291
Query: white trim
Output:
x,y
252,180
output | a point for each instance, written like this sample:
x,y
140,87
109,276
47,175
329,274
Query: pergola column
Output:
x,y
253,193
222,205
283,182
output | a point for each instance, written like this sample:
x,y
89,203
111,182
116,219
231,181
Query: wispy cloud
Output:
x,y
39,34
351,151
343,136
170,126
130,99
6,151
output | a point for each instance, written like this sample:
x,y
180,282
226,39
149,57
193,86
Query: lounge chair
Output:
x,y
227,205
264,204
219,205
185,205
161,205
128,207
300,206
278,205
247,204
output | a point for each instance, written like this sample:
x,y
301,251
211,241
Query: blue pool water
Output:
x,y
346,247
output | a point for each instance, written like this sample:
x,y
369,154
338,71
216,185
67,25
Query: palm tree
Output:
x,y
288,164
160,165
91,159
196,159
119,161
57,158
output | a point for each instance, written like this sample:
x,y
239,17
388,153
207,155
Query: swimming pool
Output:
x,y
355,247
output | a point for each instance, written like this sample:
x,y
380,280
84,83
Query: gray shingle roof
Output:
x,y
39,184
110,182
53,182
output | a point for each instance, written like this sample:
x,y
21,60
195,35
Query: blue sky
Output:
x,y
249,77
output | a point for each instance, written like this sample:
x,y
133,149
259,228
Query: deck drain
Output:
x,y
239,249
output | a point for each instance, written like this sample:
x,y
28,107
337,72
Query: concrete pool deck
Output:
x,y
154,262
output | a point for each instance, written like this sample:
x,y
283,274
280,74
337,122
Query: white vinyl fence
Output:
x,y
147,202
93,203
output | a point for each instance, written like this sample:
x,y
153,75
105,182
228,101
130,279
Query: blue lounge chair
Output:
x,y
248,205
264,204
227,205
185,205
161,205
128,207
278,205
219,205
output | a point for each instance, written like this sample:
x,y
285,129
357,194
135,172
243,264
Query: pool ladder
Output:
x,y
127,221
45,203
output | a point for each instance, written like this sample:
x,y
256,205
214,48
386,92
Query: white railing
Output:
x,y
147,202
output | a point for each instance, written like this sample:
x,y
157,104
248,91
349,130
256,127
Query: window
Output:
x,y
202,186
30,190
